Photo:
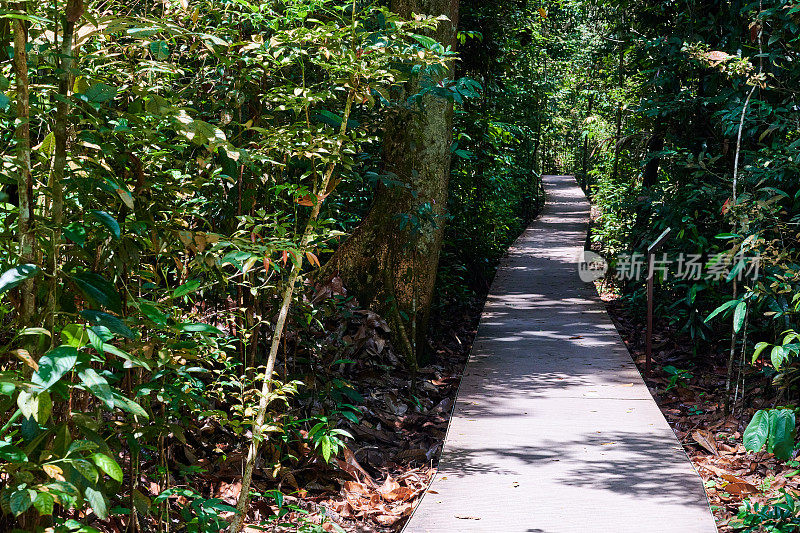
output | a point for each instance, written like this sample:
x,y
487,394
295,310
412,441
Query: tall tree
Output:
x,y
390,260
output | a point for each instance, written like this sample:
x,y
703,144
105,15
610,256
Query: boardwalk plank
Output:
x,y
553,429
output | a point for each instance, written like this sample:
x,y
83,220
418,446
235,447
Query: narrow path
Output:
x,y
554,429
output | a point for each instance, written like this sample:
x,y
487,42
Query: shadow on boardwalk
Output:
x,y
553,429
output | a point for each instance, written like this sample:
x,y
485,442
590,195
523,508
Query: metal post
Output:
x,y
649,336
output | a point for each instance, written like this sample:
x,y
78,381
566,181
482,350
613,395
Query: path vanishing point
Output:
x,y
553,429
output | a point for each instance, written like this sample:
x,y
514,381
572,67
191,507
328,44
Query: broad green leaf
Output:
x,y
48,145
199,327
96,340
53,365
85,468
12,454
108,465
44,503
44,407
80,445
738,316
777,356
97,501
126,404
721,308
13,277
757,431
111,322
781,433
188,287
108,221
21,500
98,385
75,335
760,347
4,101
130,360
153,313
76,233
100,93
99,290
159,49
33,331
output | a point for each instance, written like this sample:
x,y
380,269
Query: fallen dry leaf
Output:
x,y
740,488
705,439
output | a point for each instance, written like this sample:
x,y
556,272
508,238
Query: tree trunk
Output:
x,y
73,13
390,261
27,238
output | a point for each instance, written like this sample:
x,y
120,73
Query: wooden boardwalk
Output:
x,y
553,429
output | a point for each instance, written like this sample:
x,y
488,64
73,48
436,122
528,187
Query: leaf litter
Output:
x,y
694,409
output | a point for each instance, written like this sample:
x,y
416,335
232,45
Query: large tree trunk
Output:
x,y
390,260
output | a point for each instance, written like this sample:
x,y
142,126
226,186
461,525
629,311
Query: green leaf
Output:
x,y
98,385
80,445
53,365
738,316
760,347
75,335
153,313
13,277
721,308
21,500
85,468
108,221
76,233
126,404
33,331
99,290
188,287
111,322
44,503
159,49
108,465
130,360
48,145
326,448
44,409
4,102
199,327
97,501
100,93
81,85
12,454
781,433
757,431
425,41
777,356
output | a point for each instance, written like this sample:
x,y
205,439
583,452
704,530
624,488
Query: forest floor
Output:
x,y
378,478
399,438
690,392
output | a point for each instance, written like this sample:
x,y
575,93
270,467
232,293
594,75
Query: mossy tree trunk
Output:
x,y
390,260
